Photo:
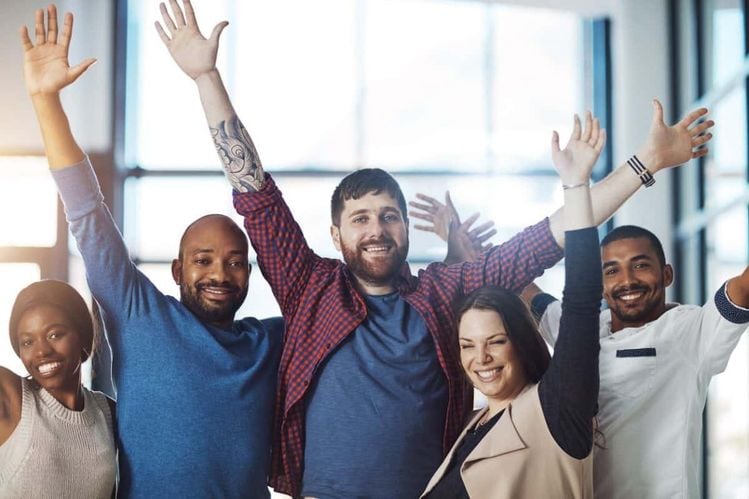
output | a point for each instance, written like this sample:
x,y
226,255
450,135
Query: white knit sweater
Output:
x,y
58,453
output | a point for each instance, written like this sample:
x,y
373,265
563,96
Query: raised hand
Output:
x,y
464,242
193,53
45,65
575,162
668,146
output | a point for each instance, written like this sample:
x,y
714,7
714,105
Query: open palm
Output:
x,y
575,162
193,53
46,68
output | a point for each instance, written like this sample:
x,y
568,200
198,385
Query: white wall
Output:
x,y
88,101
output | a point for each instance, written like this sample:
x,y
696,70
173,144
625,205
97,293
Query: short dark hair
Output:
x,y
61,296
635,232
359,184
522,329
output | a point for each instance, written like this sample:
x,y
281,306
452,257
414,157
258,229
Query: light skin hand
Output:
x,y
193,53
668,146
464,242
575,162
45,64
196,56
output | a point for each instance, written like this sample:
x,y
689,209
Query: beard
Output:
x,y
210,311
644,312
380,271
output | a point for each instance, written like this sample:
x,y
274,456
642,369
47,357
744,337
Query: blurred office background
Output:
x,y
446,94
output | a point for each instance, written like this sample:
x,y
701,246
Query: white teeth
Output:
x,y
49,367
485,375
372,249
630,296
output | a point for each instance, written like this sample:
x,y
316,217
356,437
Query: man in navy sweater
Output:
x,y
195,388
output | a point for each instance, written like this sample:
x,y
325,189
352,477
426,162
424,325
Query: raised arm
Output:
x,y
464,242
111,274
196,56
47,72
569,388
665,147
737,289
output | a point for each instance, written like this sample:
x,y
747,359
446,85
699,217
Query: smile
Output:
x,y
217,293
377,249
489,375
630,296
48,368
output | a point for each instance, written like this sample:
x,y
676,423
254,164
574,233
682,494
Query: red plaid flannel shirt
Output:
x,y
321,306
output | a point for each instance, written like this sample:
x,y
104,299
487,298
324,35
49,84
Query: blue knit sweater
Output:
x,y
194,402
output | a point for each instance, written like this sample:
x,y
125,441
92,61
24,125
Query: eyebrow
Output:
x,y
489,338
636,258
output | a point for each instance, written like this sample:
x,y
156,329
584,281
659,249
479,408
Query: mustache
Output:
x,y
628,289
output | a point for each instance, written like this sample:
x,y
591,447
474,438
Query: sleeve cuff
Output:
x,y
539,303
79,189
729,310
247,202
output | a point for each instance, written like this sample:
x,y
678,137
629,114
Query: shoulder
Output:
x,y
11,399
10,384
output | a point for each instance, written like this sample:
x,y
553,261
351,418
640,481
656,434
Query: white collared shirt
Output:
x,y
653,388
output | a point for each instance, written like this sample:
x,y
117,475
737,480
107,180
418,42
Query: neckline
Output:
x,y
83,417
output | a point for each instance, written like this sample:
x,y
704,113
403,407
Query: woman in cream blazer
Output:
x,y
534,439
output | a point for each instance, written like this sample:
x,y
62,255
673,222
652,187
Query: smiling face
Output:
x,y
213,270
488,357
634,282
373,237
50,348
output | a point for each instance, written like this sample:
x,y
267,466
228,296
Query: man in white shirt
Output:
x,y
656,362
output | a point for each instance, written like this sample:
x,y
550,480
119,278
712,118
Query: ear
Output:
x,y
177,271
668,275
335,233
249,270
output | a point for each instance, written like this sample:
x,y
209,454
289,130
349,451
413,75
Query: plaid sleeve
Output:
x,y
284,257
515,263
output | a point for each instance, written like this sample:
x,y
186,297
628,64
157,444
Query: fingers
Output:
x,y
162,34
585,137
167,19
484,237
39,26
595,131
702,139
25,40
601,141
67,30
452,211
189,13
693,116
699,129
576,129
699,152
179,19
481,228
52,24
218,29
428,199
657,113
469,221
425,207
79,69
554,141
422,216
425,228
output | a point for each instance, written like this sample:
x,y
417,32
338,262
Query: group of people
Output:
x,y
364,387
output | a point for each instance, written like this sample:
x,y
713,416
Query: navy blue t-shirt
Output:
x,y
384,386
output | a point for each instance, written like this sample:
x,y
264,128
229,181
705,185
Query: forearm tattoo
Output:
x,y
237,152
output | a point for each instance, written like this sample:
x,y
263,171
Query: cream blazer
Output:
x,y
519,458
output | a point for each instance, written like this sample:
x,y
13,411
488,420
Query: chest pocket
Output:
x,y
631,373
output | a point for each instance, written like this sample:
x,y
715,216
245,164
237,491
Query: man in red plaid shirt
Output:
x,y
370,393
